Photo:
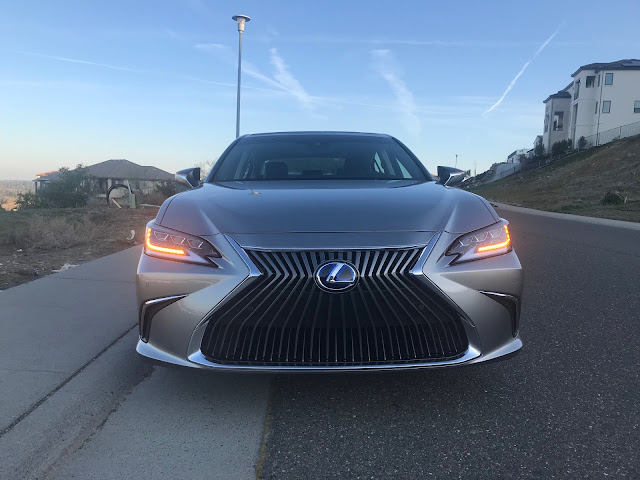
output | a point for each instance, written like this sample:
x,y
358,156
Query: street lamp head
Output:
x,y
241,19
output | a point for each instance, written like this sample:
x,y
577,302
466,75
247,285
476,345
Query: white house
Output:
x,y
514,157
602,103
557,108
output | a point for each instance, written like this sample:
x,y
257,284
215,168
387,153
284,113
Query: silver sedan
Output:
x,y
326,251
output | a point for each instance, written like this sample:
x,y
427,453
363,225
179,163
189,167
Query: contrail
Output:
x,y
83,62
515,79
288,81
404,97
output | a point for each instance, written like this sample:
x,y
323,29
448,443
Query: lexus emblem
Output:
x,y
336,276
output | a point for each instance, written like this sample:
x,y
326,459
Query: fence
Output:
x,y
610,135
508,171
600,138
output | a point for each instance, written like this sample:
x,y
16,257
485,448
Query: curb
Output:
x,y
567,216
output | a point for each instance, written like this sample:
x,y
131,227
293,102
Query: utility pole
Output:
x,y
456,161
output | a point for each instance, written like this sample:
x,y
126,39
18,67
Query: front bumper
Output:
x,y
486,292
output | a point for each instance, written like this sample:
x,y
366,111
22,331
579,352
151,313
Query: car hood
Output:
x,y
323,206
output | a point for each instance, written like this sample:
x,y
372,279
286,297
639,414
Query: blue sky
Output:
x,y
154,81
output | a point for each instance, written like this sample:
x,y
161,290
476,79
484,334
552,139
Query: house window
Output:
x,y
636,106
557,121
608,78
606,106
596,108
598,79
591,81
546,123
576,92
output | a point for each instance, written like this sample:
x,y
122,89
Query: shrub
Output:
x,y
613,198
560,148
72,188
29,200
167,189
582,143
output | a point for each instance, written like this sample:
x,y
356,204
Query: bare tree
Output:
x,y
205,166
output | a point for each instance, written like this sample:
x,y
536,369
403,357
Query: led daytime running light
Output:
x,y
506,243
157,248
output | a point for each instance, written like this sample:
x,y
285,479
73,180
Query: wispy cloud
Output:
x,y
282,81
405,102
208,47
229,57
249,87
249,69
382,41
56,84
289,82
444,43
254,72
519,74
83,62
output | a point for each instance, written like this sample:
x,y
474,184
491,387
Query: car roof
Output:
x,y
316,133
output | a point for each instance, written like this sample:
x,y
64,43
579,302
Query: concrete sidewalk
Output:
x,y
73,403
52,327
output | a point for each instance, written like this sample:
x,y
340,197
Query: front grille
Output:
x,y
284,319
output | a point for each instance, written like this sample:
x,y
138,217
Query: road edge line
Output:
x,y
568,216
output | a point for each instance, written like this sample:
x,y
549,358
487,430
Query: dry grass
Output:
x,y
47,233
33,243
56,229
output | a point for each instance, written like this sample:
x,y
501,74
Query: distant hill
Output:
x,y
578,183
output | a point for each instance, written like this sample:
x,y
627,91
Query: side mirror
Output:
x,y
189,177
449,176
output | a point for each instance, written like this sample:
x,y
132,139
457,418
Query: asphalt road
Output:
x,y
567,407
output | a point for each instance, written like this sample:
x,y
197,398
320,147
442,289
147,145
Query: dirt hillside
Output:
x,y
578,183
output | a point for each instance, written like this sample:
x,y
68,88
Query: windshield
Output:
x,y
318,157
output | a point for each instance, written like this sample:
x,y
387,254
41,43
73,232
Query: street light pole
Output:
x,y
456,160
241,19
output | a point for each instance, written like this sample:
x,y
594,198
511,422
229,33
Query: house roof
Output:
x,y
560,94
47,176
118,169
126,170
44,174
626,64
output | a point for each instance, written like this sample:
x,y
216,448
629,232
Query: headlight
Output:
x,y
172,245
486,242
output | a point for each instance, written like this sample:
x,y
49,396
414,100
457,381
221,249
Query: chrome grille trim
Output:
x,y
283,319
